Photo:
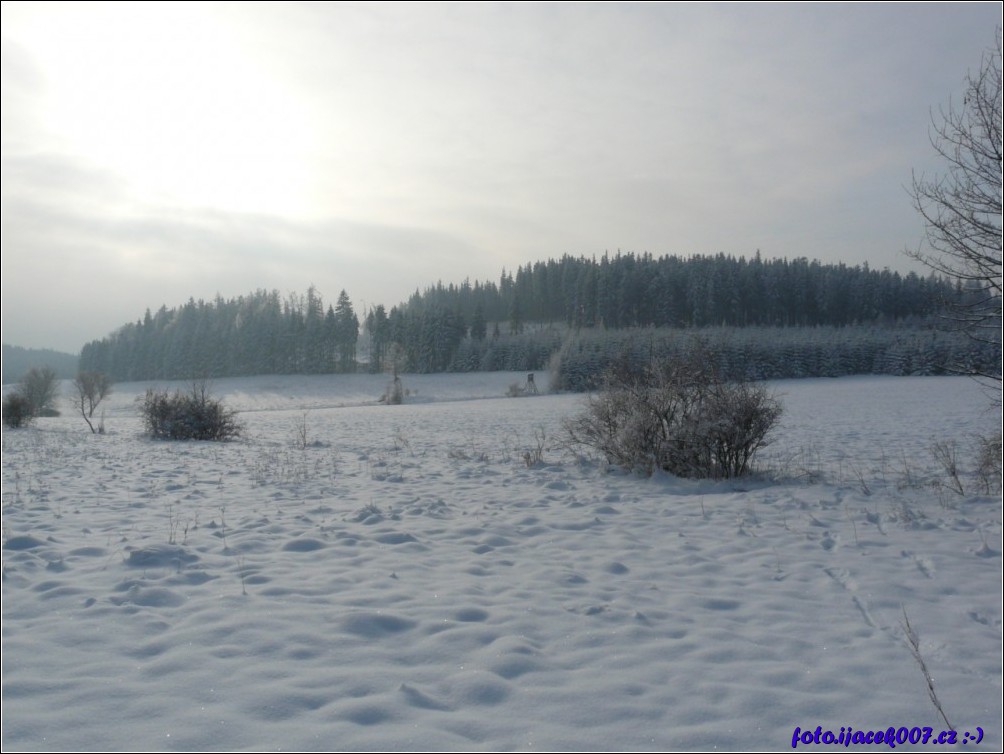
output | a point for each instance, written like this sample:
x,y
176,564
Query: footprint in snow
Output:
x,y
471,615
304,544
394,538
376,625
417,698
159,556
478,687
23,542
149,597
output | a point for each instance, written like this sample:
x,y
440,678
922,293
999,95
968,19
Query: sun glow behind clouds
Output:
x,y
186,149
164,96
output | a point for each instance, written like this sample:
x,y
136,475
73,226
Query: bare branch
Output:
x,y
962,208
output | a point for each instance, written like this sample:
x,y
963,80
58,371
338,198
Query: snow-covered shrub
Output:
x,y
188,416
677,416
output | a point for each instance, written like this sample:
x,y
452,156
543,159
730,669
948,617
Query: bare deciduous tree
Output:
x,y
962,207
40,387
91,389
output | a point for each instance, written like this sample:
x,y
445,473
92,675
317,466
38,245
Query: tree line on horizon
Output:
x,y
260,333
18,361
628,290
480,325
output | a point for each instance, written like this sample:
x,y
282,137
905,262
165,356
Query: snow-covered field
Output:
x,y
406,581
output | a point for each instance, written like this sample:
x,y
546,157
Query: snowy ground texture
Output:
x,y
406,581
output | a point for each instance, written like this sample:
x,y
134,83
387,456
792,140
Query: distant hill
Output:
x,y
517,323
17,361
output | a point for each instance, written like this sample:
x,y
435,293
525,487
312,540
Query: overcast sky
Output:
x,y
155,152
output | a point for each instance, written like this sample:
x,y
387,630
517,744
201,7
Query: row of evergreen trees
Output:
x,y
261,333
480,326
763,353
629,290
446,327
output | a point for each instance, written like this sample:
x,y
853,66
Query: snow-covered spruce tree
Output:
x,y
378,329
346,333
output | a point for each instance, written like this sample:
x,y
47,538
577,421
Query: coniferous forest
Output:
x,y
767,319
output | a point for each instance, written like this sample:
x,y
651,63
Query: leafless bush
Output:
x,y
988,462
982,467
678,417
946,455
301,432
534,456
